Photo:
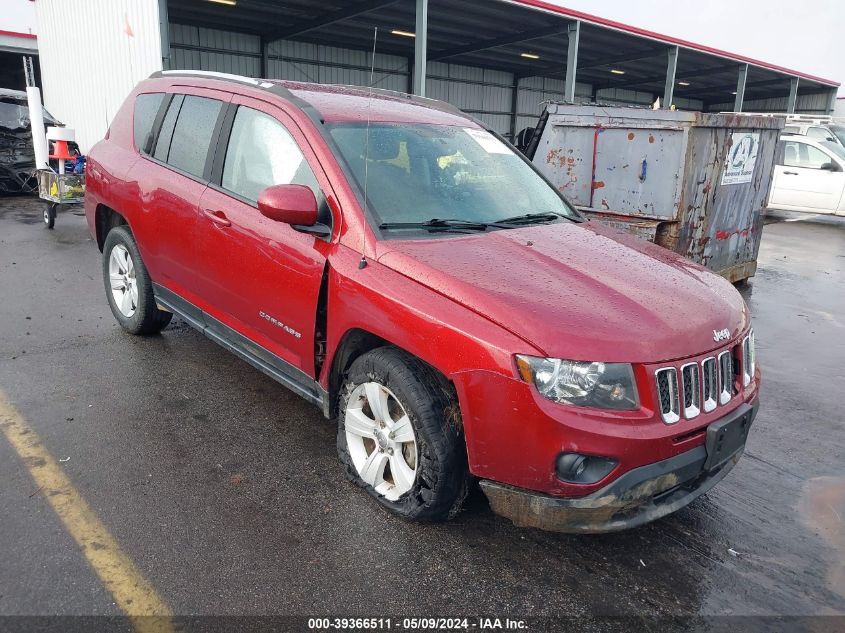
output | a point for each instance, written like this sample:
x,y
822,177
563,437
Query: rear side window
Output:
x,y
186,133
260,153
192,135
146,108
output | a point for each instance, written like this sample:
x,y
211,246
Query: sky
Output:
x,y
783,32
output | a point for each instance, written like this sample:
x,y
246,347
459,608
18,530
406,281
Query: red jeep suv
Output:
x,y
399,265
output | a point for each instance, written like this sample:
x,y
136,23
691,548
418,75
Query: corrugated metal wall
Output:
x,y
210,49
84,86
810,104
534,91
486,94
300,61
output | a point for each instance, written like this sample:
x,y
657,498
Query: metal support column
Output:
x,y
164,34
831,100
740,87
515,107
420,47
671,67
265,57
573,31
793,95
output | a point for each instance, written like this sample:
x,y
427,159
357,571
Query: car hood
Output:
x,y
578,291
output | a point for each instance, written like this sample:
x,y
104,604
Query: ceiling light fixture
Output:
x,y
529,56
616,71
683,83
734,92
403,33
230,3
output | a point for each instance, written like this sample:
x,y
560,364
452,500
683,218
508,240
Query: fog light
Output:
x,y
583,469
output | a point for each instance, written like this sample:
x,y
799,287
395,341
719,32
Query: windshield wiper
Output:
x,y
436,224
530,218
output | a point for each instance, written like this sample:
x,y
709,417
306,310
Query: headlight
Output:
x,y
583,384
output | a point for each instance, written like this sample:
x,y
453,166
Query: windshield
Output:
x,y
834,148
839,131
418,172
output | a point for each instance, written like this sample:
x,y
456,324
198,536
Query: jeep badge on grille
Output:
x,y
721,335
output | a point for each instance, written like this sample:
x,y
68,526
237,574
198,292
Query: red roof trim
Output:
x,y
626,28
27,36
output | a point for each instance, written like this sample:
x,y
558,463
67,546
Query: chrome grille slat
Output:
x,y
668,397
748,359
710,383
692,390
726,376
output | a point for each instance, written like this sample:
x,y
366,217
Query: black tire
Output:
x,y
147,318
443,480
50,215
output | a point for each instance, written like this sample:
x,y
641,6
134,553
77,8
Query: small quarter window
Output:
x,y
146,108
162,145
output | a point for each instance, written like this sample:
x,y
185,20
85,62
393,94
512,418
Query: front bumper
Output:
x,y
639,496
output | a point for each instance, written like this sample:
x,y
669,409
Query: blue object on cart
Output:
x,y
78,165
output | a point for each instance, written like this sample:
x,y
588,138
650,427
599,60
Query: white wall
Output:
x,y
88,62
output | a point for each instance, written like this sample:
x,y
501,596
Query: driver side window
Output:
x,y
261,153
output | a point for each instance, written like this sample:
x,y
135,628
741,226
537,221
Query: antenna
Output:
x,y
369,101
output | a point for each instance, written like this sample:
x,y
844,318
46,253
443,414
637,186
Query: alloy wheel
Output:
x,y
381,440
124,286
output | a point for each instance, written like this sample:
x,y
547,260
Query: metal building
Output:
x,y
496,59
12,46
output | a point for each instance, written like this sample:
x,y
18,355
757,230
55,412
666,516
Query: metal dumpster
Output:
x,y
692,182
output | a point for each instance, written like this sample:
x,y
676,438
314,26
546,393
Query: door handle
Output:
x,y
218,217
790,173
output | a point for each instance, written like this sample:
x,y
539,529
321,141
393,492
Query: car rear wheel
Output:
x,y
400,435
128,286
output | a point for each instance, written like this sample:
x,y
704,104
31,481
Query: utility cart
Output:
x,y
57,190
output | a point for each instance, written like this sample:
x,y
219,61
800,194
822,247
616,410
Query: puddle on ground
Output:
x,y
822,508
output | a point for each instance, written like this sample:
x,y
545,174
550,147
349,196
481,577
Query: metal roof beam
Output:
x,y
350,11
660,78
618,58
496,42
730,87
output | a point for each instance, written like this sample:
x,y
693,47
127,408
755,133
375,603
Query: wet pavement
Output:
x,y
224,488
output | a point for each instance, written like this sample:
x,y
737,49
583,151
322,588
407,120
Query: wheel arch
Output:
x,y
105,219
355,343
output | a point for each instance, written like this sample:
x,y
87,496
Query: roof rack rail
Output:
x,y
212,75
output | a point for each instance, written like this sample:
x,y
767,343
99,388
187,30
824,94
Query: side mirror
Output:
x,y
831,166
292,204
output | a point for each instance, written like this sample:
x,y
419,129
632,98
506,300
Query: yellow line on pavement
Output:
x,y
132,593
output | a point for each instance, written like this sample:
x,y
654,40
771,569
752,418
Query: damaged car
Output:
x,y
17,155
398,264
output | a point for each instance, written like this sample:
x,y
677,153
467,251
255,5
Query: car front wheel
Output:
x,y
400,435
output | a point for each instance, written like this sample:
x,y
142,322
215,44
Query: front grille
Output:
x,y
726,377
748,359
710,383
692,390
667,389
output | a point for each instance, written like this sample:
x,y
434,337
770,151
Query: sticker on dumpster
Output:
x,y
488,142
739,166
